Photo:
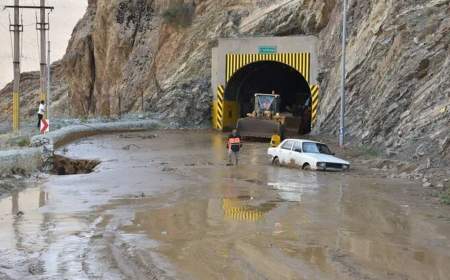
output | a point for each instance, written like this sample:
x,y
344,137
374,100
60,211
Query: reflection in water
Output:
x,y
43,198
218,147
31,199
30,234
15,203
239,210
293,190
20,212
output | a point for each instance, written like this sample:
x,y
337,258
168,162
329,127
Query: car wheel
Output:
x,y
276,161
306,167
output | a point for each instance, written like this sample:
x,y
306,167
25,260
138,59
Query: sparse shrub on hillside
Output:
x,y
179,15
445,197
24,142
370,152
20,141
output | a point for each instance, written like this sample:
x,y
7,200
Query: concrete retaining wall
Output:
x,y
23,161
28,160
68,134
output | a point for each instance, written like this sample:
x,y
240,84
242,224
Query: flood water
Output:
x,y
168,207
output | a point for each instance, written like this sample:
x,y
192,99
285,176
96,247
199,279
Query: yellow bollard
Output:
x,y
16,112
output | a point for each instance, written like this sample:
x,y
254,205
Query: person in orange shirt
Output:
x,y
234,145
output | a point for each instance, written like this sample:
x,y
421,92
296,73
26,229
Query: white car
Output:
x,y
309,155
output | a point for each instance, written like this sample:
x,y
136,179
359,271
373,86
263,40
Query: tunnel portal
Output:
x,y
241,67
271,77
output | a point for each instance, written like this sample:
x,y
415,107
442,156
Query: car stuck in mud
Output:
x,y
309,155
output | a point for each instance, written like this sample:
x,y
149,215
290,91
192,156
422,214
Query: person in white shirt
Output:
x,y
41,112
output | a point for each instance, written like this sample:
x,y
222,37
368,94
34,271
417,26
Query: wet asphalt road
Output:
x,y
167,207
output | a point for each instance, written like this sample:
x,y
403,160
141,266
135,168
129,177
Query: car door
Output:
x,y
286,151
297,153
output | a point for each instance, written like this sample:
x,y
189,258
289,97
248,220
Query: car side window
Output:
x,y
297,147
287,145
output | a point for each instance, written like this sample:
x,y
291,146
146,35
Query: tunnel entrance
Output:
x,y
271,77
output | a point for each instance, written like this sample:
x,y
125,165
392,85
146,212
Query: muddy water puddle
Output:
x,y
319,229
165,206
20,217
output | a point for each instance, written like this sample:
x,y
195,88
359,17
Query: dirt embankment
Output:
x,y
370,162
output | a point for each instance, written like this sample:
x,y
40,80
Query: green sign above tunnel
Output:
x,y
267,49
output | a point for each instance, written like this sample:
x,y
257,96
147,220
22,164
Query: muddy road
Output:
x,y
163,205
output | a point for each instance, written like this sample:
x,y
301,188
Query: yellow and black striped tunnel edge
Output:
x,y
220,107
315,103
299,61
16,111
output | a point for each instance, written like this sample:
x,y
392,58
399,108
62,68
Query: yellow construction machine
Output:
x,y
266,119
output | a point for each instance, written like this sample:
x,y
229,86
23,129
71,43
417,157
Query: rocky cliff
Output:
x,y
398,86
154,55
125,55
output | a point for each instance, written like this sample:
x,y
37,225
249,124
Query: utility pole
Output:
x,y
17,28
48,82
344,38
42,26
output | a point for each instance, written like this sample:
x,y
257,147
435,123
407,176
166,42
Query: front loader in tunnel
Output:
x,y
266,120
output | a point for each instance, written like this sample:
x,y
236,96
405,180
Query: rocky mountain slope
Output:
x,y
29,83
155,54
397,81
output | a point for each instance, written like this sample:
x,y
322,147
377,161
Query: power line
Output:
x,y
17,51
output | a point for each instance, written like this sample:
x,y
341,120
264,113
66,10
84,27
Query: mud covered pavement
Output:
x,y
164,206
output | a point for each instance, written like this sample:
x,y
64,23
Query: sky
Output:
x,y
62,21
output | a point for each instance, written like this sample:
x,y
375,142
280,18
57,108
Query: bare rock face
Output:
x,y
125,56
398,90
80,66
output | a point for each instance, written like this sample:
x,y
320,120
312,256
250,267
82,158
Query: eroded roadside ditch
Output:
x,y
67,166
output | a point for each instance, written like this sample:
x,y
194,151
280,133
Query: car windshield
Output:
x,y
317,148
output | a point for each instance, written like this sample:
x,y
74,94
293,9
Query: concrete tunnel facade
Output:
x,y
242,67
